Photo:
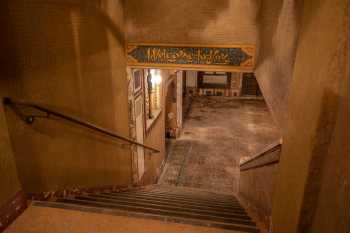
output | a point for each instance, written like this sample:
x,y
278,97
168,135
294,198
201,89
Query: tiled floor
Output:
x,y
217,133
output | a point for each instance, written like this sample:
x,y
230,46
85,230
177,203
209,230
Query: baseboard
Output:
x,y
12,209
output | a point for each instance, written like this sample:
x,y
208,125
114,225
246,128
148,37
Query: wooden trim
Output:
x,y
191,67
191,45
138,90
12,209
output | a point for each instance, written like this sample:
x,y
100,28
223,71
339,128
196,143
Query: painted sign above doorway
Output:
x,y
192,57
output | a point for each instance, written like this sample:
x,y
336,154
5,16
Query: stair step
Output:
x,y
171,198
188,196
102,210
237,210
165,207
159,211
187,191
175,204
199,193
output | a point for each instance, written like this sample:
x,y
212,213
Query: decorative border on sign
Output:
x,y
12,209
192,57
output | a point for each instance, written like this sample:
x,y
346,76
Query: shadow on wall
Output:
x,y
68,55
191,21
325,129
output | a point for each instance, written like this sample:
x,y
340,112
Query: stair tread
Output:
x,y
175,204
166,206
181,204
192,193
184,189
158,211
205,223
191,200
184,196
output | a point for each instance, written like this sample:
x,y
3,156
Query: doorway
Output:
x,y
139,135
250,86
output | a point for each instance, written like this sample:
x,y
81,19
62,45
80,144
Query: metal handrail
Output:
x,y
30,120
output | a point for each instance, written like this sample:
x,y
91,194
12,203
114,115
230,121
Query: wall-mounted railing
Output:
x,y
258,180
268,156
30,119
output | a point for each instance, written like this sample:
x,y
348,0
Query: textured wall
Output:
x,y
8,171
278,34
68,55
257,185
192,21
312,194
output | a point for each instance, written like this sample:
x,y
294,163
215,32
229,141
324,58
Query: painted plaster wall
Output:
x,y
277,43
332,214
194,21
8,172
312,194
67,55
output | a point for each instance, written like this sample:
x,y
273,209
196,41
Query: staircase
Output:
x,y
166,203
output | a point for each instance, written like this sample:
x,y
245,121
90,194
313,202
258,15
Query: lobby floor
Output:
x,y
217,133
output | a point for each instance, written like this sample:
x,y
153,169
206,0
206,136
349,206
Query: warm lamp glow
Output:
x,y
156,77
